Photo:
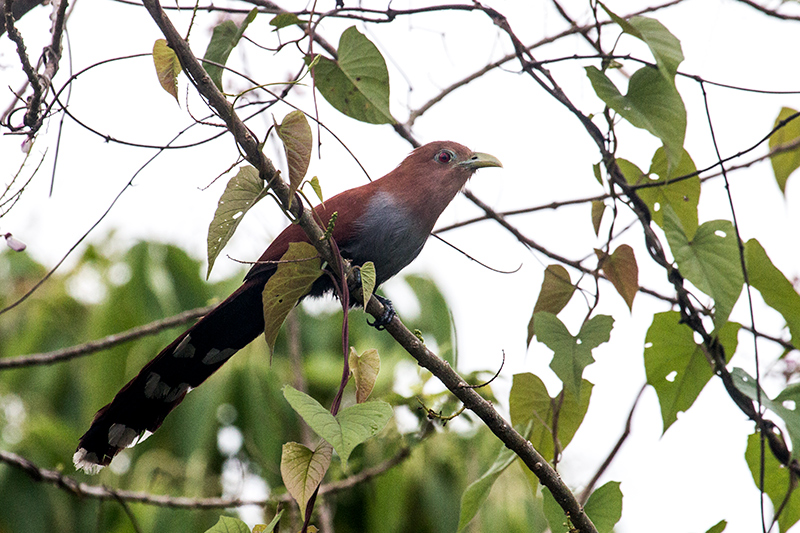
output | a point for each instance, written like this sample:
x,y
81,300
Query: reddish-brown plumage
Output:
x,y
386,221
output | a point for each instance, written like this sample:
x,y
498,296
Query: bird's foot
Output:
x,y
388,314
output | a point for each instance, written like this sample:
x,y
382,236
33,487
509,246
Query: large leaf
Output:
x,y
777,291
786,404
652,103
295,134
604,507
229,524
299,268
785,163
556,291
302,470
358,83
777,482
621,270
478,490
572,354
349,428
665,47
224,39
242,192
529,402
167,67
676,366
710,261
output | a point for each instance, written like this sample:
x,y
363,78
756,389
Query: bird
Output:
x,y
386,221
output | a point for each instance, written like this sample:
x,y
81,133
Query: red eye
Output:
x,y
445,156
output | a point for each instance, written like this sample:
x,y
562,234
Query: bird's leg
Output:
x,y
388,314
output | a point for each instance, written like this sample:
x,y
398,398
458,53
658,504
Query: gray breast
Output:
x,y
388,235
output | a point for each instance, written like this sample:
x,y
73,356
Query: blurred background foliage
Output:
x,y
44,409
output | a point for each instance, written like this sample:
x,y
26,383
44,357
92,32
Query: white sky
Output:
x,y
687,480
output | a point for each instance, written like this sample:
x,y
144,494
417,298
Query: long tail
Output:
x,y
147,399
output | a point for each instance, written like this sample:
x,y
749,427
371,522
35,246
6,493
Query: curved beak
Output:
x,y
480,160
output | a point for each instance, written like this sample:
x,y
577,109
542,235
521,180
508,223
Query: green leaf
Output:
x,y
352,426
652,104
365,369
676,366
621,270
710,261
317,188
302,470
271,526
282,20
529,402
478,490
224,39
558,520
785,163
229,524
777,291
368,279
777,480
604,507
682,196
299,268
167,67
358,83
434,317
719,527
295,134
556,291
572,354
790,396
598,208
665,47
243,191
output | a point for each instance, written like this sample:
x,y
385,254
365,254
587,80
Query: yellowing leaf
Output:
x,y
292,280
598,208
295,133
317,188
785,163
368,278
365,368
302,470
241,193
556,291
621,270
167,67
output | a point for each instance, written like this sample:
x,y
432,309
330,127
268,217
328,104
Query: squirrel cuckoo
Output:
x,y
386,221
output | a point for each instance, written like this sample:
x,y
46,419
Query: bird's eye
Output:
x,y
445,156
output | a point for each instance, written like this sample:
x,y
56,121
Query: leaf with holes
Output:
x,y
225,37
621,270
676,366
785,163
349,428
710,261
365,369
777,479
786,404
572,354
295,134
556,292
652,103
777,291
243,191
682,196
299,268
167,67
302,470
358,83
